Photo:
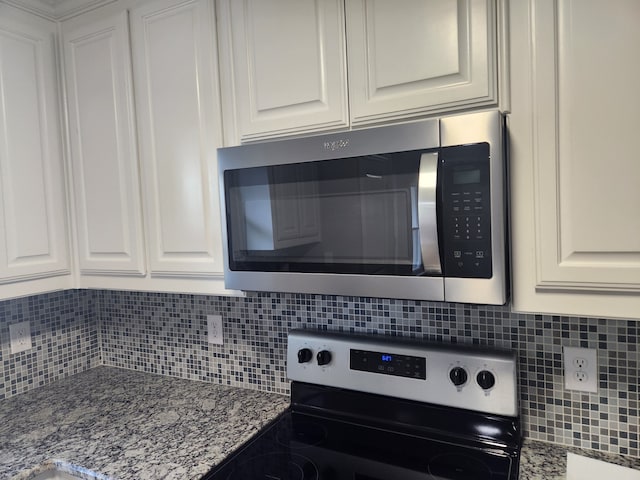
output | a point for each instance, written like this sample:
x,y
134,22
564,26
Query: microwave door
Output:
x,y
427,217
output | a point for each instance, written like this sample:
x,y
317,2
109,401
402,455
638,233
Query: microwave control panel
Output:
x,y
466,211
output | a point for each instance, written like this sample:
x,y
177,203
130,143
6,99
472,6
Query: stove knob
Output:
x,y
458,376
324,357
304,355
486,379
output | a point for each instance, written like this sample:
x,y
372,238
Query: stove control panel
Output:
x,y
452,375
388,363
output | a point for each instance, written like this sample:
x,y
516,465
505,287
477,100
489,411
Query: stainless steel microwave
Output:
x,y
411,211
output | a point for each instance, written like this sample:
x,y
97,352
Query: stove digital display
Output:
x,y
388,364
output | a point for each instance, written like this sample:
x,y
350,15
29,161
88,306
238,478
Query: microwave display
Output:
x,y
466,176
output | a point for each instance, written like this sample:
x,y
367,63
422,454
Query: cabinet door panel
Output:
x,y
286,65
424,57
588,185
32,205
174,53
103,149
575,170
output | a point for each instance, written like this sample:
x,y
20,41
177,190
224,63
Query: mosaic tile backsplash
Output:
x,y
64,335
166,334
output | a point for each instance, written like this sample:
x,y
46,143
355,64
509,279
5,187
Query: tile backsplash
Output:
x,y
166,334
64,334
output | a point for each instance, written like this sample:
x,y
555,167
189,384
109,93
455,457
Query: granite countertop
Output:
x,y
114,424
123,424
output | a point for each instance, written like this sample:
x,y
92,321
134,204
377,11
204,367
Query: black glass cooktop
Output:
x,y
299,446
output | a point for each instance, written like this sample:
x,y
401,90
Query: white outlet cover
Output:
x,y
590,370
20,337
214,330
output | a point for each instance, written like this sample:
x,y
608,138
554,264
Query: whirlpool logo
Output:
x,y
336,144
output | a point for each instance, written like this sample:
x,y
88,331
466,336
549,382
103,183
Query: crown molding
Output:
x,y
57,9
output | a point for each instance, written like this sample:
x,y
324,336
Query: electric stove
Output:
x,y
385,408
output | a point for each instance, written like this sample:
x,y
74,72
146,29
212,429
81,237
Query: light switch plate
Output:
x,y
20,337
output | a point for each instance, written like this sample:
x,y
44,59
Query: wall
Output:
x,y
166,334
64,333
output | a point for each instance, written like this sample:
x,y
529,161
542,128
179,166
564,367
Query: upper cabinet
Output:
x,y
103,145
293,66
419,56
283,66
176,89
144,120
574,157
33,222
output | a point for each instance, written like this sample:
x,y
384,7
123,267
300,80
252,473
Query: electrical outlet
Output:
x,y
579,363
20,337
581,369
214,329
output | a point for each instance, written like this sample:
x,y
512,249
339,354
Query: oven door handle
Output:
x,y
427,217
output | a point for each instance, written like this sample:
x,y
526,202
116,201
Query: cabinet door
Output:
x,y
416,56
575,161
179,125
283,65
103,148
33,223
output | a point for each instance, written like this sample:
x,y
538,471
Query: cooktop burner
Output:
x,y
301,435
335,433
290,449
275,466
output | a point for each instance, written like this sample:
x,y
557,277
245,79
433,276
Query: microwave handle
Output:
x,y
427,218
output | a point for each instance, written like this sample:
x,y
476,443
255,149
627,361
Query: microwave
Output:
x,y
407,211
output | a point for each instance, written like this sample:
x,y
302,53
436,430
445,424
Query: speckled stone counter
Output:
x,y
122,425
546,461
108,423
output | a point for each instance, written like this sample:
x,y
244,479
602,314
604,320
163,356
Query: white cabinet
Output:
x,y
415,57
283,66
574,157
33,223
176,89
144,127
103,144
283,62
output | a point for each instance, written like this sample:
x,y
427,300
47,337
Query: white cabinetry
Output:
x,y
174,58
575,161
144,171
283,66
103,148
415,57
283,62
33,223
